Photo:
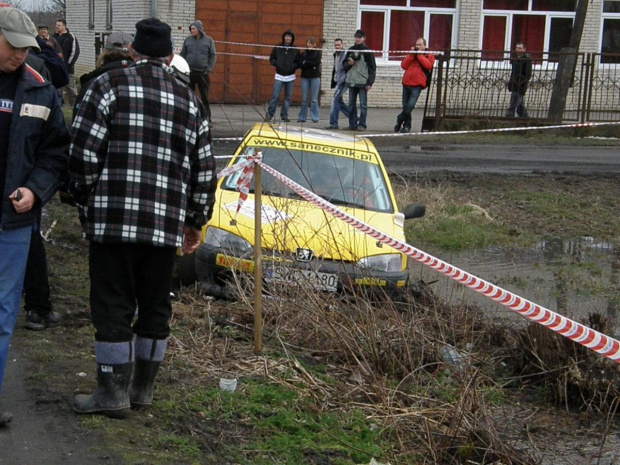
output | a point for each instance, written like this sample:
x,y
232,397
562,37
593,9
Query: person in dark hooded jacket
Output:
x,y
115,55
520,75
37,304
310,64
199,52
57,70
285,58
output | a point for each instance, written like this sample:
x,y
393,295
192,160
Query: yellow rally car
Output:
x,y
301,242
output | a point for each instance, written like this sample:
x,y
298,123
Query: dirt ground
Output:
x,y
46,368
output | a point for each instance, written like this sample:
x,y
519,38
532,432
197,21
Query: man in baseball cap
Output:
x,y
115,55
18,28
33,141
118,41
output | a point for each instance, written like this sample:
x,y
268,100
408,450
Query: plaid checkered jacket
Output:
x,y
140,158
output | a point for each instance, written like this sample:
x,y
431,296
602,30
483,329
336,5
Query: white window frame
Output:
x,y
605,16
386,10
509,14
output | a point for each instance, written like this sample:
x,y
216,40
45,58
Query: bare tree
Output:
x,y
565,73
59,6
18,4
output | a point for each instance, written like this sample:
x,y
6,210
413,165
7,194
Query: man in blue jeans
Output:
x,y
340,87
285,59
416,65
361,70
33,140
520,75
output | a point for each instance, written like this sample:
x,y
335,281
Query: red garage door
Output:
x,y
244,33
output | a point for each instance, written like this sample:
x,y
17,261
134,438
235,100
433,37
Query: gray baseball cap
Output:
x,y
118,41
18,28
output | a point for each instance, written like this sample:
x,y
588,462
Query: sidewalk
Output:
x,y
235,120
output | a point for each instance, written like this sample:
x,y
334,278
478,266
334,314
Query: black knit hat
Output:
x,y
152,38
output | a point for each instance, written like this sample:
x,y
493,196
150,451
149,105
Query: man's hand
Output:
x,y
191,239
23,199
368,88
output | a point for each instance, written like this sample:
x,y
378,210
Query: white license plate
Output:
x,y
315,279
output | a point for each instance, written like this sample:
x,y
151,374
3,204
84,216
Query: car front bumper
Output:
x,y
214,267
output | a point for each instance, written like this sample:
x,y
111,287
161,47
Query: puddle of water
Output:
x,y
571,277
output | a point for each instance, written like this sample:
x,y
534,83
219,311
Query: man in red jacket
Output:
x,y
414,81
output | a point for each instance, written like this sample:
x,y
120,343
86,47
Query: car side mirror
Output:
x,y
414,210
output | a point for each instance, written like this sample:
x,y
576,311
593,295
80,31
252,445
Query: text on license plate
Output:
x,y
315,279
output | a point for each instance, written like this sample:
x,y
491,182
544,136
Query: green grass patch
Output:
x,y
282,425
458,227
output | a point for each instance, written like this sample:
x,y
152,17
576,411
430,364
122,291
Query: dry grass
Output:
x,y
425,373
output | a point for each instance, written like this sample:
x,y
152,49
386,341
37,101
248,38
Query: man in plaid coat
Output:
x,y
143,174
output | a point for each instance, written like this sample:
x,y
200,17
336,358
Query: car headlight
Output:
x,y
387,262
219,238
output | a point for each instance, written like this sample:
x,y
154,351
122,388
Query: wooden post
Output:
x,y
258,263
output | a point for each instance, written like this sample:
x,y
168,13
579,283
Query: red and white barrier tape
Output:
x,y
243,183
271,46
574,331
478,131
471,131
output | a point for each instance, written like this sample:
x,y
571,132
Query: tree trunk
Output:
x,y
565,74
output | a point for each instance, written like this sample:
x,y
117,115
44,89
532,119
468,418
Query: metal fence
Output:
x,y
470,84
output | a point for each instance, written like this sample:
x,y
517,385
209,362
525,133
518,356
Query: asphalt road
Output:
x,y
411,159
416,153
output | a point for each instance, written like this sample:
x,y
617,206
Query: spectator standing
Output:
x,y
33,140
145,184
310,65
44,34
37,303
340,87
285,58
520,76
57,72
361,70
199,52
416,65
115,55
70,53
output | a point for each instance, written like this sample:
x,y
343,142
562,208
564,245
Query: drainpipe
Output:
x,y
153,8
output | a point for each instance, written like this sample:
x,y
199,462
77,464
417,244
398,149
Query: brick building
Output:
x,y
245,31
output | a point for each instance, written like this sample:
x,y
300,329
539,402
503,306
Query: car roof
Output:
x,y
290,132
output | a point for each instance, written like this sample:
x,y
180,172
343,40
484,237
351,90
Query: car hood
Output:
x,y
289,224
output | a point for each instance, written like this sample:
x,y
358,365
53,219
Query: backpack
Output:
x,y
358,74
429,75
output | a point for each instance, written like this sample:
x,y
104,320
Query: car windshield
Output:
x,y
341,180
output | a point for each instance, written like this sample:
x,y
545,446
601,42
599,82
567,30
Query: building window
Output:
x,y
610,42
542,25
393,26
533,5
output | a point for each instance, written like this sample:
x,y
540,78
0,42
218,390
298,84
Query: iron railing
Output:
x,y
470,84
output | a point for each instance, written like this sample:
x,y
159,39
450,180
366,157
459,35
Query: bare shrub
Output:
x,y
571,374
416,371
